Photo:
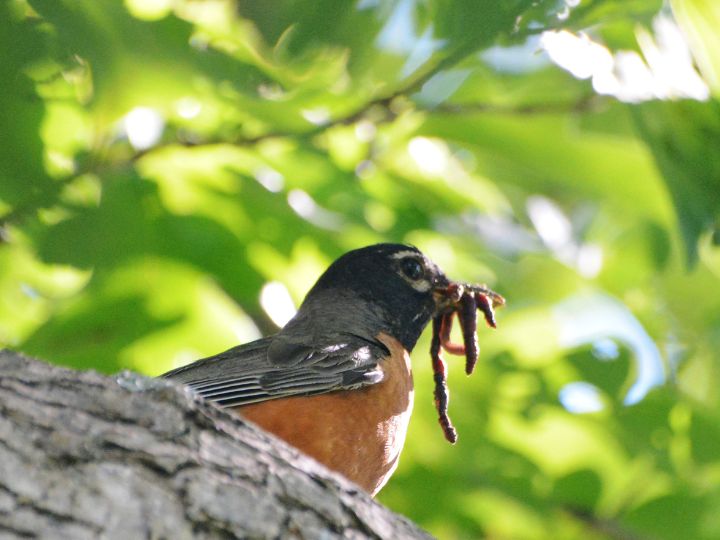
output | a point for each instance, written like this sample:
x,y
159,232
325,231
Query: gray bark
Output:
x,y
88,456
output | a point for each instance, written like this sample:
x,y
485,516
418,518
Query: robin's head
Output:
x,y
383,287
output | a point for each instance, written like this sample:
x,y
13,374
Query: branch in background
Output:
x,y
96,165
608,527
350,118
589,103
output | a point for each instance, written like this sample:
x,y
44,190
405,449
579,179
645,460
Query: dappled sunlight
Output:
x,y
297,270
400,35
560,444
580,398
365,131
587,319
143,127
431,156
550,222
149,9
215,321
306,207
665,70
518,58
269,178
556,232
379,216
277,303
188,107
502,516
29,289
318,116
531,334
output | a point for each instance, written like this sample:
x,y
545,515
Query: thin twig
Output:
x,y
587,103
605,526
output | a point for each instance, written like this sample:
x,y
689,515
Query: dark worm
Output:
x,y
484,305
464,300
449,346
442,396
468,323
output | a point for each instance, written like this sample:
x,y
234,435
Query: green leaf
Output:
x,y
683,137
22,175
678,515
700,20
610,375
579,490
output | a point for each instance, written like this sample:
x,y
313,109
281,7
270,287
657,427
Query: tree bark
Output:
x,y
88,456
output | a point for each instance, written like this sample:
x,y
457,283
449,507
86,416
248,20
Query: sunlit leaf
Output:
x,y
699,19
682,136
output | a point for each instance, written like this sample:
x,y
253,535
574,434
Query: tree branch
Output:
x,y
86,456
590,102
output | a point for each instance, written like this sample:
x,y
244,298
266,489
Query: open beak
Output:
x,y
447,294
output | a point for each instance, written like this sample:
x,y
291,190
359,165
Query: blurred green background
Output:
x,y
175,174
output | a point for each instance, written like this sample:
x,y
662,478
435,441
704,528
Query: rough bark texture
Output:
x,y
88,456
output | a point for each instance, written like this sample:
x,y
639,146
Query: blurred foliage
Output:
x,y
161,161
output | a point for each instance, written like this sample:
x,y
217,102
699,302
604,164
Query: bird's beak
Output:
x,y
442,293
447,294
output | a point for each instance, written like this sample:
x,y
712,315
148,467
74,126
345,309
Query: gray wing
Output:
x,y
248,374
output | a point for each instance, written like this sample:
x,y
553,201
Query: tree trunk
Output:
x,y
88,456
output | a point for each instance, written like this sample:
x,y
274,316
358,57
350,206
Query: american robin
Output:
x,y
336,381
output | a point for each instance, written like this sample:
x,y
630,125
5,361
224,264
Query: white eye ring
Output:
x,y
418,282
412,268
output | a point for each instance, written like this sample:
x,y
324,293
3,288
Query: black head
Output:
x,y
384,287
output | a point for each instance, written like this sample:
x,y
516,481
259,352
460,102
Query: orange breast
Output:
x,y
358,433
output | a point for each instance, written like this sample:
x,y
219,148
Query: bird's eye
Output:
x,y
411,268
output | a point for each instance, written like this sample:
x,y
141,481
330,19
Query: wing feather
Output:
x,y
245,374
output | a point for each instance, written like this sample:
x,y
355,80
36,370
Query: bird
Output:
x,y
336,381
